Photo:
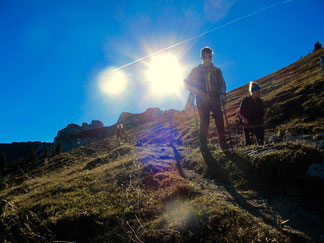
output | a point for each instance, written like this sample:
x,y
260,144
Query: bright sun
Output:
x,y
165,74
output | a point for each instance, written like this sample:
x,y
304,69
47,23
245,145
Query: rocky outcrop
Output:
x,y
74,135
315,171
130,120
69,137
95,124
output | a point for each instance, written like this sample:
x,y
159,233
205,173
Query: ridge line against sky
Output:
x,y
56,52
204,33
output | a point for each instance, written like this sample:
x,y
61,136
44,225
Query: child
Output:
x,y
252,114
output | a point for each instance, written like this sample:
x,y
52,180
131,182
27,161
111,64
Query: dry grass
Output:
x,y
120,193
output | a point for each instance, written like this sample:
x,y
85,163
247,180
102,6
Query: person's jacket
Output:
x,y
253,110
202,81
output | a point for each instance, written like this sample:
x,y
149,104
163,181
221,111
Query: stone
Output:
x,y
68,137
289,138
320,144
95,124
130,120
57,189
319,136
307,137
315,171
275,139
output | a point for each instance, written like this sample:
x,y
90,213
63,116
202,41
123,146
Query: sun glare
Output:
x,y
165,74
112,82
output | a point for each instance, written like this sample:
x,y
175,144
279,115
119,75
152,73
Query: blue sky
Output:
x,y
52,53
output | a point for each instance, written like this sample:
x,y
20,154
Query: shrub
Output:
x,y
317,46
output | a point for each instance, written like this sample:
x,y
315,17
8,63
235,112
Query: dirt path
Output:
x,y
287,214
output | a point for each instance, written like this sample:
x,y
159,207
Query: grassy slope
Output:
x,y
123,194
293,95
110,193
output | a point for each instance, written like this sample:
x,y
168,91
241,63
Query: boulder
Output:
x,y
289,138
275,139
319,136
320,144
315,171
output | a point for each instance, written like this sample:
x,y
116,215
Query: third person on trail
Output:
x,y
207,83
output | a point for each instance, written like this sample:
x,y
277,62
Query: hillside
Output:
x,y
157,186
293,96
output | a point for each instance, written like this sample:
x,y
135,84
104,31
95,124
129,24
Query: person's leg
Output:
x,y
248,136
203,111
219,122
259,134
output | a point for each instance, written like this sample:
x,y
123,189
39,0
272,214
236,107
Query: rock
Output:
x,y
316,137
319,136
130,120
307,137
57,189
275,139
320,144
74,136
315,171
151,114
69,137
289,138
95,124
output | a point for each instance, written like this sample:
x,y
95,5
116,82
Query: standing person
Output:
x,y
252,115
207,83
120,133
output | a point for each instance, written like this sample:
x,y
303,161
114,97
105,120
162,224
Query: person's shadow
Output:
x,y
178,158
220,178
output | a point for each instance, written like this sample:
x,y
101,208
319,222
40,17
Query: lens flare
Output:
x,y
165,74
179,214
112,82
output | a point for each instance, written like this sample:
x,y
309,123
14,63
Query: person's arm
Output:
x,y
223,88
243,111
190,81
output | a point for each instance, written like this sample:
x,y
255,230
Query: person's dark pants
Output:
x,y
258,132
205,106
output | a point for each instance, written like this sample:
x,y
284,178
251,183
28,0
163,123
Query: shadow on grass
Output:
x,y
230,169
178,158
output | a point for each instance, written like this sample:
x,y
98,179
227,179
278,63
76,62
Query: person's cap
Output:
x,y
254,87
